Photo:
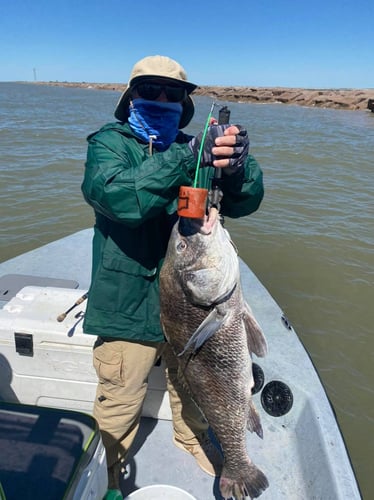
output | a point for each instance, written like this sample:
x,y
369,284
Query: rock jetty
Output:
x,y
349,99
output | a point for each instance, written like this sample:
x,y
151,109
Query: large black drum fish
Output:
x,y
213,332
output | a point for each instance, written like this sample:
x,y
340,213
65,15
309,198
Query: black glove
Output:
x,y
213,132
236,161
241,147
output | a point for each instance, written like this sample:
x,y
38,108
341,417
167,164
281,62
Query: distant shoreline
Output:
x,y
348,99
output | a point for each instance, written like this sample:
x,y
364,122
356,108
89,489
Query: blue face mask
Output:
x,y
157,119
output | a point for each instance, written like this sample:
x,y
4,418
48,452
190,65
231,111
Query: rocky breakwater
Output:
x,y
350,99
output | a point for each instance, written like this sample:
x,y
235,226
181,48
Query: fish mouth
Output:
x,y
205,225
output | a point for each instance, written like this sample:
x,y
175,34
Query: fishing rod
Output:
x,y
63,315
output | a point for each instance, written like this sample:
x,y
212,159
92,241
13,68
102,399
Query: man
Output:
x,y
133,173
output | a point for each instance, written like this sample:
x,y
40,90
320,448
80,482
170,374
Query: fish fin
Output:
x,y
211,324
256,340
253,422
249,482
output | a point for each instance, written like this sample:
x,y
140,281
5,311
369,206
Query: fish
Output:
x,y
213,333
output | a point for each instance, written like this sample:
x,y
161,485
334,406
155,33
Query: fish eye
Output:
x,y
181,246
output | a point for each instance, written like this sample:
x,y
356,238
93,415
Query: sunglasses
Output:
x,y
151,91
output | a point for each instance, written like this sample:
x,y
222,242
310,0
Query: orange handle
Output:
x,y
192,202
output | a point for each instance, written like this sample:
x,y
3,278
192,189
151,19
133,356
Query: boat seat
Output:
x,y
43,450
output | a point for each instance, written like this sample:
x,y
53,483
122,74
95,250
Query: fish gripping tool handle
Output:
x,y
215,195
192,200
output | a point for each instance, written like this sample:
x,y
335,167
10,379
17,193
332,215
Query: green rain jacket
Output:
x,y
134,197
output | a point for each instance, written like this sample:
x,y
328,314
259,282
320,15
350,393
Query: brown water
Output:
x,y
311,242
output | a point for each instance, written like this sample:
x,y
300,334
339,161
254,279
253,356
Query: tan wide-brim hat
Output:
x,y
157,67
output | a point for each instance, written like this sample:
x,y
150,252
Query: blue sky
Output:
x,y
318,44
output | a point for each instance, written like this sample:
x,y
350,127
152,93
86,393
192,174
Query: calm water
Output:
x,y
311,242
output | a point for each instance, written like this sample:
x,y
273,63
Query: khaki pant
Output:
x,y
123,368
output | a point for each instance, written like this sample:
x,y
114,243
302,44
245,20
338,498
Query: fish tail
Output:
x,y
251,483
254,422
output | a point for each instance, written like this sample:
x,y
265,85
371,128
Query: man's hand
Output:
x,y
225,146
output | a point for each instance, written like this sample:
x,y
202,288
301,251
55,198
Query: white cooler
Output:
x,y
49,363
